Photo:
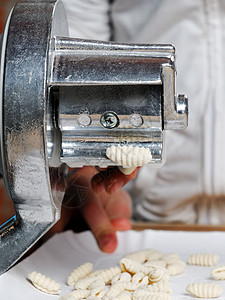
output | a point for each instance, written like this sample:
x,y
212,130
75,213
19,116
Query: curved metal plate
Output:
x,y
25,97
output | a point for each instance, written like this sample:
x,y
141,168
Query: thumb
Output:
x,y
100,224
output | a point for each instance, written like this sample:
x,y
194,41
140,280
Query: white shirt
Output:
x,y
195,159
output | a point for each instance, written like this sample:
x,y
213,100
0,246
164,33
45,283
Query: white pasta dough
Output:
x,y
125,276
108,274
204,290
170,258
145,294
141,275
44,284
129,157
203,259
79,273
115,290
156,275
131,266
218,273
83,283
176,268
161,286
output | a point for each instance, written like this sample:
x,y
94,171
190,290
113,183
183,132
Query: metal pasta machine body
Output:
x,y
63,102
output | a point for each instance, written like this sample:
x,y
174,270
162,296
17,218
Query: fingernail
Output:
x,y
108,243
121,224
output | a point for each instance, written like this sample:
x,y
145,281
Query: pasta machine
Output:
x,y
63,102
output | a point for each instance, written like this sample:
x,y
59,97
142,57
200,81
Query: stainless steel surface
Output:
x,y
2,58
136,120
87,145
24,97
63,103
95,62
173,117
135,83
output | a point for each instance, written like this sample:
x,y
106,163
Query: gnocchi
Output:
x,y
44,284
129,157
218,273
79,273
203,259
204,290
156,275
142,275
176,268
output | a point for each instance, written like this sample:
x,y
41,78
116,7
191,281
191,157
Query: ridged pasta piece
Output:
x,y
78,273
161,286
126,171
139,256
77,294
107,274
129,156
144,280
170,258
151,267
132,266
132,286
153,254
115,290
155,297
218,273
156,275
100,295
203,259
67,297
177,268
125,276
148,295
44,284
84,283
125,295
96,287
144,255
204,290
138,277
158,263
94,273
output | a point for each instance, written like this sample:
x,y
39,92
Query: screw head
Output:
x,y
109,120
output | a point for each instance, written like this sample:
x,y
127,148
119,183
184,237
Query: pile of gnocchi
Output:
x,y
143,275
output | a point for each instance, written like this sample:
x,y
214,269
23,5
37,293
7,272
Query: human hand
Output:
x,y
98,197
111,180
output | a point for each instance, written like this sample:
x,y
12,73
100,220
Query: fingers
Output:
x,y
117,205
121,224
100,224
111,180
103,212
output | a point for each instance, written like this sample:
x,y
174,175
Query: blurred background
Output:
x,y
5,6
